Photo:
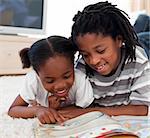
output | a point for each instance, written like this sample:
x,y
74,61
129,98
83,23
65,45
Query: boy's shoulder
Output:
x,y
141,56
80,65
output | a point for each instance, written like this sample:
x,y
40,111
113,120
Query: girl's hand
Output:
x,y
54,102
48,115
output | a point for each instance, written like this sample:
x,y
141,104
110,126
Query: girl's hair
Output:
x,y
43,49
104,18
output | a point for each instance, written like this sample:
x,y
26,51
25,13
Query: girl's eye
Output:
x,y
49,81
67,76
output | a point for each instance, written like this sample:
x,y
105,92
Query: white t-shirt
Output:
x,y
80,94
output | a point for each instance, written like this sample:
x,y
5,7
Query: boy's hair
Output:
x,y
43,49
104,18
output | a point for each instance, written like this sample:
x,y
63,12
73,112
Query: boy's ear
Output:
x,y
119,38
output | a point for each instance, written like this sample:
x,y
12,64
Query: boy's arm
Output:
x,y
137,110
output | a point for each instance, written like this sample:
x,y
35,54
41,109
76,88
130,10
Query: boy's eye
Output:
x,y
85,55
101,51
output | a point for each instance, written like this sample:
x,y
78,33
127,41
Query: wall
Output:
x,y
60,14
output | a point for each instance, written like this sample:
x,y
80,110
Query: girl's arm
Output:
x,y
135,110
20,109
54,102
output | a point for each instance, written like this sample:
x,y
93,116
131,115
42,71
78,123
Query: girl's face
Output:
x,y
57,75
101,53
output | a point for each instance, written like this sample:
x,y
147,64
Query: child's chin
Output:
x,y
103,73
107,74
63,98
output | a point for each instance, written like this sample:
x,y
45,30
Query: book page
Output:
x,y
91,124
140,125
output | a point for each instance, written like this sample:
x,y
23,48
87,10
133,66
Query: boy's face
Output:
x,y
57,75
101,53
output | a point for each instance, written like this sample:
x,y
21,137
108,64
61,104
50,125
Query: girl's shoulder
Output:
x,y
79,75
79,72
31,77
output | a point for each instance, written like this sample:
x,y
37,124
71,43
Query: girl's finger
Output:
x,y
52,118
57,116
49,118
63,118
42,120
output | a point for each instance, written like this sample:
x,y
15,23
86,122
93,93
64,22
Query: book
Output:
x,y
140,125
89,125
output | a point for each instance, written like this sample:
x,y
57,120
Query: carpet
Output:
x,y
10,127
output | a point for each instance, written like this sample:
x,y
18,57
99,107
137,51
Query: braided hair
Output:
x,y
43,49
106,19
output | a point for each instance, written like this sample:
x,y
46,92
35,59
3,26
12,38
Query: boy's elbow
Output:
x,y
142,110
146,110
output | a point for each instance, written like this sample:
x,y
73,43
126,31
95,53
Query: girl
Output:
x,y
53,78
112,57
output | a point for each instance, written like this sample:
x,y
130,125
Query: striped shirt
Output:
x,y
128,85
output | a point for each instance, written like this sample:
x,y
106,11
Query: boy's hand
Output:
x,y
54,102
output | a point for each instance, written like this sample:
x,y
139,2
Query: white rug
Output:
x,y
9,127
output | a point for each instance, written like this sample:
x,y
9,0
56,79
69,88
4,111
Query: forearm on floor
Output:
x,y
23,111
137,110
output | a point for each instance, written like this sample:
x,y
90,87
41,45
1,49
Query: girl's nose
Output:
x,y
60,86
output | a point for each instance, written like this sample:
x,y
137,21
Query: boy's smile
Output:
x,y
102,53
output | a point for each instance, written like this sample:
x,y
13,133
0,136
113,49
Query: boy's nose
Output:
x,y
94,60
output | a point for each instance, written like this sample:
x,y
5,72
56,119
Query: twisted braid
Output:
x,y
105,18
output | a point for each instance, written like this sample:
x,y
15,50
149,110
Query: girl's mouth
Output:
x,y
62,93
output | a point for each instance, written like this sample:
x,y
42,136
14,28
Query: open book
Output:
x,y
89,125
140,125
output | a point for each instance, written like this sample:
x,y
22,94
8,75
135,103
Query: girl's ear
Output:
x,y
119,39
